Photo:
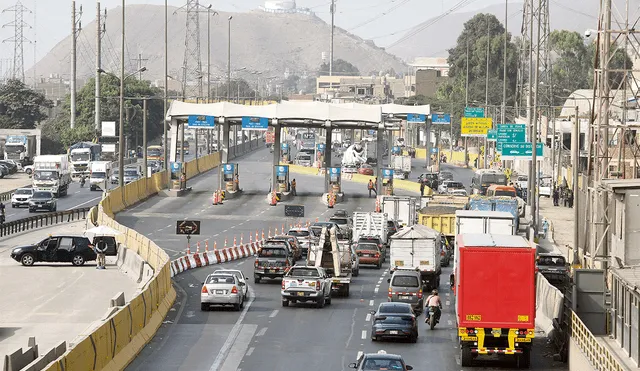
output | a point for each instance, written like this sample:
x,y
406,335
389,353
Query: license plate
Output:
x,y
272,271
470,338
393,332
405,297
301,294
219,291
523,340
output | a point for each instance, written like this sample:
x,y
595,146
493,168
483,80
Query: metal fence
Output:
x,y
595,352
43,220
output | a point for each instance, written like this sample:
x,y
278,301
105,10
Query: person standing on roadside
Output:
x,y
101,248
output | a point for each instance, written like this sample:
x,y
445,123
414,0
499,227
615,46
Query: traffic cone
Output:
x,y
316,220
257,235
262,234
220,197
198,248
282,229
206,246
274,201
377,205
215,245
241,239
188,249
215,197
269,232
234,241
225,242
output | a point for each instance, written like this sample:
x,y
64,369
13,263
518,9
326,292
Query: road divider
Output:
x,y
43,220
549,304
121,335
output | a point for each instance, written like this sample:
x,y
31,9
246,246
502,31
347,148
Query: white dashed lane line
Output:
x,y
370,303
262,331
364,334
274,313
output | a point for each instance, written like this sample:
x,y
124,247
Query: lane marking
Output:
x,y
359,355
368,317
233,335
370,303
239,348
233,226
364,334
250,351
274,313
86,202
447,303
376,290
262,331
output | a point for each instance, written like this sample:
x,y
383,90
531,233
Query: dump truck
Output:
x,y
21,149
400,208
440,214
334,258
417,247
495,296
52,173
497,203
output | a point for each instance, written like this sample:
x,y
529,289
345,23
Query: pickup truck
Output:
x,y
306,283
272,261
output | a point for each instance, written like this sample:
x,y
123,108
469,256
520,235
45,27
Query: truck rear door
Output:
x,y
501,226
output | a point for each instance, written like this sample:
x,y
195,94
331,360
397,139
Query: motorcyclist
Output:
x,y
82,181
433,301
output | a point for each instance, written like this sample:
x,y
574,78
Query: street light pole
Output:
x,y
229,62
575,153
121,123
209,54
166,82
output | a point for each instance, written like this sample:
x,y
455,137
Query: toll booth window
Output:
x,y
282,178
334,178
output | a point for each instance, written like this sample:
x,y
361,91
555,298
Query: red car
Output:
x,y
365,169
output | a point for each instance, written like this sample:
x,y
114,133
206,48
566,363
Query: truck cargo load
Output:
x,y
440,218
400,208
417,247
481,222
21,149
334,258
497,203
99,174
52,173
494,288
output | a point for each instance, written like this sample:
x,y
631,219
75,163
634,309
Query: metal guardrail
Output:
x,y
599,356
43,220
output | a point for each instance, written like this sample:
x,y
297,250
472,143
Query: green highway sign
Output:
x,y
511,133
491,135
521,150
473,112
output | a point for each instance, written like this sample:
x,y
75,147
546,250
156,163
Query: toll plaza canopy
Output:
x,y
312,114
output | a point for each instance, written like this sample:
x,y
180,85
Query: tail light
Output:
x,y
377,255
442,253
420,294
318,285
283,284
204,290
390,292
234,290
537,269
256,263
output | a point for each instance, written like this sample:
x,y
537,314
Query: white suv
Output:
x,y
21,197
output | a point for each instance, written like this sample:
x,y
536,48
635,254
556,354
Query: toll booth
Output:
x,y
335,183
387,182
230,179
177,179
396,150
285,152
282,179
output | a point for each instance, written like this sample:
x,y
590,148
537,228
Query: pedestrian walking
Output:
x,y
371,188
422,189
293,187
545,228
570,198
101,248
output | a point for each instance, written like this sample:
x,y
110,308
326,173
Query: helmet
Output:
x,y
434,292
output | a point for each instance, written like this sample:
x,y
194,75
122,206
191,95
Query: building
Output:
x,y
438,72
378,89
283,6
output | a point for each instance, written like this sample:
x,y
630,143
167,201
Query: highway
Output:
x,y
266,336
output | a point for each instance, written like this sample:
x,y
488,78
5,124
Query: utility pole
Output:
x,y
121,114
192,64
530,109
575,159
144,138
140,60
486,92
504,72
35,43
535,210
466,104
333,15
229,62
165,92
76,27
100,30
18,39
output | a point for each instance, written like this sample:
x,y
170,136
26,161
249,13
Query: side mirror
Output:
x,y
241,283
203,283
388,280
409,367
372,311
352,365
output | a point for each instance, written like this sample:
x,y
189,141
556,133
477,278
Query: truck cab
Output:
x,y
99,171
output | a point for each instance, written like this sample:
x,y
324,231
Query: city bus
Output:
x,y
155,153
483,178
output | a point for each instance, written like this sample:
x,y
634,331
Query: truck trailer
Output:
x,y
401,166
52,173
400,208
20,148
370,224
495,296
417,247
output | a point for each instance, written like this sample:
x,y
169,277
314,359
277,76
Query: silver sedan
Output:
x,y
223,290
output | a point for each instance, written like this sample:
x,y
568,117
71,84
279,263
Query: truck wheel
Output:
x,y
256,279
328,300
524,360
320,303
466,358
345,290
204,307
285,302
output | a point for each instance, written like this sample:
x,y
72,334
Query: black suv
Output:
x,y
430,180
273,260
56,249
392,228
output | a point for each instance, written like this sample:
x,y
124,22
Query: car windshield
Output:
x,y
552,260
455,185
339,220
154,152
366,246
222,272
273,252
299,233
131,172
505,193
304,158
80,157
98,175
405,281
494,179
378,364
42,195
45,175
24,191
212,280
394,308
303,272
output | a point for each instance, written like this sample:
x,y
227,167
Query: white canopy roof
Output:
x,y
416,231
315,111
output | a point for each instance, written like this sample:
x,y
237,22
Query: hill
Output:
x,y
265,42
434,38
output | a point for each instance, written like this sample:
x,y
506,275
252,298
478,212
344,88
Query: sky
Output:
x,y
383,21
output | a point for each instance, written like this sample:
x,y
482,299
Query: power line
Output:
x,y
381,15
18,38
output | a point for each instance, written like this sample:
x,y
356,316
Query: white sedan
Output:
x,y
239,275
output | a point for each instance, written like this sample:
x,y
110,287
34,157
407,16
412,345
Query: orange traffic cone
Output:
x,y
188,248
269,232
215,197
198,248
241,239
274,200
215,245
206,246
377,205
262,234
225,242
234,241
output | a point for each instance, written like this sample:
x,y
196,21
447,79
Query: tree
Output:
x,y
340,68
63,136
20,106
240,88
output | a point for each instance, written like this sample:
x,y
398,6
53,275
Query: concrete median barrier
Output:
x,y
217,256
549,304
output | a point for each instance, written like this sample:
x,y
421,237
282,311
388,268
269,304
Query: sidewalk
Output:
x,y
13,181
53,302
561,227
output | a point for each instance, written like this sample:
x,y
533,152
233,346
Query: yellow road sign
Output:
x,y
475,126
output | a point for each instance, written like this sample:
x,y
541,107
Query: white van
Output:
x,y
99,172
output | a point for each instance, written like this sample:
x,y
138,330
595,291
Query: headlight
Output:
x,y
16,250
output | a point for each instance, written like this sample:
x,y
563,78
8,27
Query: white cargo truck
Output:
x,y
99,174
417,247
485,222
370,224
334,258
81,154
401,166
400,208
20,148
52,173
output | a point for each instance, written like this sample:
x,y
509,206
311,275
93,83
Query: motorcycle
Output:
x,y
431,318
82,182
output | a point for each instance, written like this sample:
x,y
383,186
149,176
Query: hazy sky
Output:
x,y
380,20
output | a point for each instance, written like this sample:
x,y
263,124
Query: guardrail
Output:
x,y
43,220
121,336
597,354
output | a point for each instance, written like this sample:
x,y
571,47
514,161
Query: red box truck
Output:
x,y
495,294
